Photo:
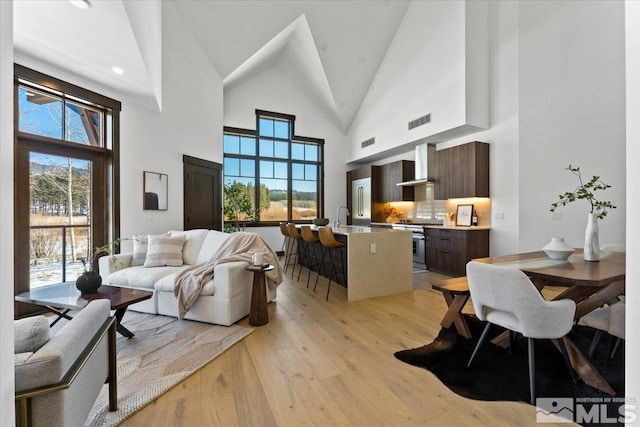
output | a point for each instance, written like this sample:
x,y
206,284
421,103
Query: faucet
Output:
x,y
337,221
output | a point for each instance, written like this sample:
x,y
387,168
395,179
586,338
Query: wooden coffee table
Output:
x,y
63,297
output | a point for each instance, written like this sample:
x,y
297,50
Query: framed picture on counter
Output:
x,y
464,215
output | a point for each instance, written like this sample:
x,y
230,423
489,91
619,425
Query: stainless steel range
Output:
x,y
419,254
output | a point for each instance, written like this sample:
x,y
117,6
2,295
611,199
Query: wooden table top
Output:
x,y
67,295
573,271
256,268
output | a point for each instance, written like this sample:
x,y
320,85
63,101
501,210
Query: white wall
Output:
x,y
425,72
572,111
273,91
632,369
190,123
557,98
503,134
7,374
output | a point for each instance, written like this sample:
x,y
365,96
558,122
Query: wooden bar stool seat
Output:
x,y
456,294
328,240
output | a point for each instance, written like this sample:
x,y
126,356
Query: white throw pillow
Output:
x,y
192,243
164,251
140,243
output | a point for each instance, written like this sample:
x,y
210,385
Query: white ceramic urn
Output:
x,y
558,249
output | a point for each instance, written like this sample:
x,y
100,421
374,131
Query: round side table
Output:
x,y
258,314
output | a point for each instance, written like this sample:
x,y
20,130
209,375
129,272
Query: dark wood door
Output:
x,y
202,194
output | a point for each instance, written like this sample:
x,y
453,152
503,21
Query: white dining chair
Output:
x,y
606,319
506,297
601,318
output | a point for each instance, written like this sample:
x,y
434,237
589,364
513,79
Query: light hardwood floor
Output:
x,y
329,363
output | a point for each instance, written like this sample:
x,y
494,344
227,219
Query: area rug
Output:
x,y
498,375
163,352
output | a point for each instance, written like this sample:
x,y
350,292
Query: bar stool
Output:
x,y
328,240
285,244
297,237
314,262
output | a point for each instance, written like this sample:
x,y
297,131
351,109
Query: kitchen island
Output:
x,y
378,261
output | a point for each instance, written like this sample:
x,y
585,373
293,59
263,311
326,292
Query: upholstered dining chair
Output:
x,y
606,319
506,297
603,319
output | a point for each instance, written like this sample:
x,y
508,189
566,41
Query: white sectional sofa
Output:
x,y
223,301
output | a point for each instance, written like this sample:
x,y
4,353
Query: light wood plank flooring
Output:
x,y
329,363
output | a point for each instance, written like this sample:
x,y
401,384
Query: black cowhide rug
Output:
x,y
498,375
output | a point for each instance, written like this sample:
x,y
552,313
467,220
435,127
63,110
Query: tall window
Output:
x,y
65,177
279,172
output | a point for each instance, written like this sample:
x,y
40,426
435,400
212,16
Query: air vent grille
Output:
x,y
368,142
420,121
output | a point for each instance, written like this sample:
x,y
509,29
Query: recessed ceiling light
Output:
x,y
118,70
82,4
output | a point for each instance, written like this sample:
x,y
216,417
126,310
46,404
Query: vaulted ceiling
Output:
x,y
331,50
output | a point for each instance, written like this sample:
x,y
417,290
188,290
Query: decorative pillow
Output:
x,y
30,334
140,243
164,250
192,242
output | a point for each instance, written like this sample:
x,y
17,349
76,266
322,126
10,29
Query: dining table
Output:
x,y
590,284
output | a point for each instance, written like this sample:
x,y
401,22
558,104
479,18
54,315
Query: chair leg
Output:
x,y
305,258
565,356
482,338
594,343
333,271
320,266
532,371
312,251
294,256
615,347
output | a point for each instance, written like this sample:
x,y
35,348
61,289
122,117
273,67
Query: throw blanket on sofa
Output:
x,y
239,246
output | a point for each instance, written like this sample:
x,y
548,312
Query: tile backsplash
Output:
x,y
434,210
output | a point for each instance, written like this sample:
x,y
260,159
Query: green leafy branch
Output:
x,y
585,192
238,206
108,249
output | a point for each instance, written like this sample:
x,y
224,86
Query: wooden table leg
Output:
x,y
454,313
605,295
585,369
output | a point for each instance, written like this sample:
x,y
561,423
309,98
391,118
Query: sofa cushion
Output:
x,y
167,283
193,240
164,251
140,277
140,243
30,334
211,244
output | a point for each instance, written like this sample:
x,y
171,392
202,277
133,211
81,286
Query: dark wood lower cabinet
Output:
x,y
449,250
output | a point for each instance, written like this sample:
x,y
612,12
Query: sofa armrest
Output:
x,y
108,264
69,371
53,360
229,275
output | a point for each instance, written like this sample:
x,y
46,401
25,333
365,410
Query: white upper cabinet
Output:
x,y
435,74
